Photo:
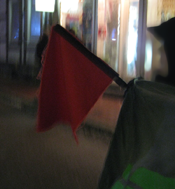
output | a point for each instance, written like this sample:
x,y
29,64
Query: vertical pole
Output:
x,y
124,16
24,36
7,30
56,17
21,31
42,22
25,30
94,26
141,38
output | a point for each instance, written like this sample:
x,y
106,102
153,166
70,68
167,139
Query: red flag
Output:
x,y
71,83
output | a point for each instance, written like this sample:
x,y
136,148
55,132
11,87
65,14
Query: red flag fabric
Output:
x,y
70,84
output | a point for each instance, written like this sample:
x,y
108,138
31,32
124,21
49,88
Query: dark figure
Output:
x,y
41,46
166,33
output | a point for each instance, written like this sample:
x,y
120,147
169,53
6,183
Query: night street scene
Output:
x,y
87,94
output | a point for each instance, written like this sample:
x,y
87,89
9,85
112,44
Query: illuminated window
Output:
x,y
132,38
45,5
108,32
15,22
76,15
35,21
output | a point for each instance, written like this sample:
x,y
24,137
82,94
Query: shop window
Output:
x,y
132,38
108,31
118,35
14,22
35,21
76,16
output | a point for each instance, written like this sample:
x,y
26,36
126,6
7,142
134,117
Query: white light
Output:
x,y
69,6
44,5
148,62
132,45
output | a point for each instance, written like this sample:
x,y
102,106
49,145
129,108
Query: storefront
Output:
x,y
114,30
109,28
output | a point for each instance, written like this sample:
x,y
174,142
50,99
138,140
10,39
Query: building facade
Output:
x,y
114,30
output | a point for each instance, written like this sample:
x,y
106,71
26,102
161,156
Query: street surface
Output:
x,y
49,160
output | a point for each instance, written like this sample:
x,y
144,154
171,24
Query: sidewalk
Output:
x,y
22,95
19,94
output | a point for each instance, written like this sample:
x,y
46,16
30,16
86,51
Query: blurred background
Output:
x,y
114,30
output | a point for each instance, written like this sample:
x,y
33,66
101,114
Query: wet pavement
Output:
x,y
52,159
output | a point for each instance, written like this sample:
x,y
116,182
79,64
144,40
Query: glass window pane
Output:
x,y
15,22
160,11
76,16
35,21
108,31
132,38
110,42
87,23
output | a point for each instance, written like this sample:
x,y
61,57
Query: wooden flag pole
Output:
x,y
92,57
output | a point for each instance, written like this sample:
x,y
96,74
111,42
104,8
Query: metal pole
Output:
x,y
7,30
95,26
141,38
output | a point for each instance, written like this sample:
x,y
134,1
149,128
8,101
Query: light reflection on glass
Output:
x,y
15,21
132,39
76,15
35,21
35,24
45,5
108,32
114,34
148,57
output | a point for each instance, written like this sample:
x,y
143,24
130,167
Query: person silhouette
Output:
x,y
165,32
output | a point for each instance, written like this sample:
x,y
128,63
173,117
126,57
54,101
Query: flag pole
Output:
x,y
92,57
